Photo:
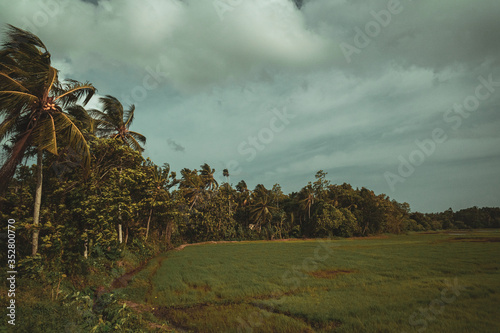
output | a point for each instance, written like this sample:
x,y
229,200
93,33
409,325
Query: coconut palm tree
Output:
x,y
192,187
308,200
207,175
244,193
114,122
227,191
261,211
162,181
32,106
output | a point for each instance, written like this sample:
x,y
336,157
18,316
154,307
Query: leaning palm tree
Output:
x,y
207,175
32,109
244,193
114,122
192,187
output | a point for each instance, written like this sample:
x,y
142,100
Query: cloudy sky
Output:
x,y
401,97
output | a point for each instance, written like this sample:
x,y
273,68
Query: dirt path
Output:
x,y
122,281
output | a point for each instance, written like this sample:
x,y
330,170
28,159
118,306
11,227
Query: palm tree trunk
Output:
x,y
168,233
194,201
38,200
281,227
120,233
86,247
149,220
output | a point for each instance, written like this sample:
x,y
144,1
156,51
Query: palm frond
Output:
x,y
129,116
76,139
15,101
7,83
97,114
44,135
80,116
105,132
15,157
101,121
52,78
113,109
132,143
18,37
72,92
7,126
18,93
23,52
138,136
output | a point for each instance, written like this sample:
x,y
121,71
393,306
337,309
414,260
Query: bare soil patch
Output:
x,y
475,239
369,237
122,281
202,288
329,273
140,308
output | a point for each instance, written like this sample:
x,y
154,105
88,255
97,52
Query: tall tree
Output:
x,y
244,193
114,122
261,211
32,104
207,175
308,199
261,208
162,180
192,187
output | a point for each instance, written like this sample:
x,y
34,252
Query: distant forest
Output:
x,y
126,200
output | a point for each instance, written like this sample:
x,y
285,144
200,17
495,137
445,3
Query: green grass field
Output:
x,y
409,283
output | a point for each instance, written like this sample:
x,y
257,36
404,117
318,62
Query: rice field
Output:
x,y
422,282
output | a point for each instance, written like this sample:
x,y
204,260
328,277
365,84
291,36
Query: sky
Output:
x,y
400,97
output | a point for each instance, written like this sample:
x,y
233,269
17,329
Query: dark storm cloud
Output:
x,y
175,146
